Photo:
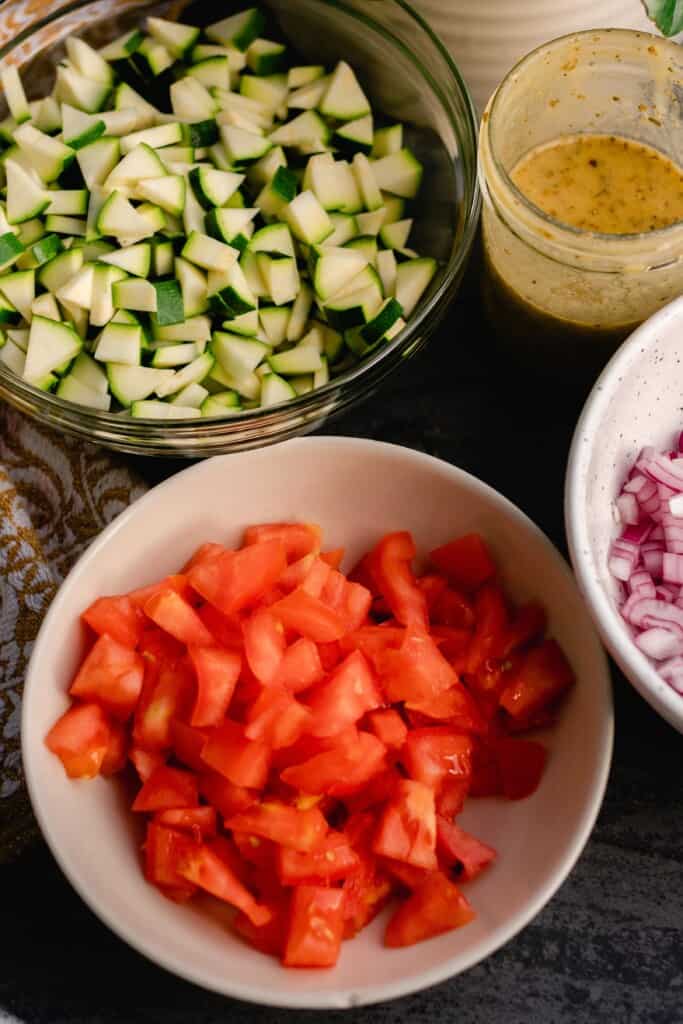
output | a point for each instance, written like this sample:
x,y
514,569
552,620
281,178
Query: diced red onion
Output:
x,y
642,583
672,569
675,505
672,672
629,512
659,643
665,593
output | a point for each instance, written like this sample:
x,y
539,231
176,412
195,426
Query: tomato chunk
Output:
x,y
174,614
309,616
225,796
217,674
416,672
467,561
236,580
392,573
298,539
521,764
116,757
164,848
543,677
167,788
80,739
264,644
434,907
243,761
145,761
295,829
345,697
491,627
342,769
117,616
166,695
269,937
300,667
333,861
430,755
198,821
458,848
276,718
316,926
389,727
407,829
111,675
205,868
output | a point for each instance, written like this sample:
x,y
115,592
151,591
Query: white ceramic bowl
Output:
x,y
357,490
637,401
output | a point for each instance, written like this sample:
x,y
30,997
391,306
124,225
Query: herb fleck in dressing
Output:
x,y
602,183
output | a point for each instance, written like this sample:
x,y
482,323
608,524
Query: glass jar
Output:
x,y
556,294
409,76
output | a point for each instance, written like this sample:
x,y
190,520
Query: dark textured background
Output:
x,y
608,948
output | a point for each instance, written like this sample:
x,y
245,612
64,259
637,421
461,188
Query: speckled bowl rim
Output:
x,y
614,632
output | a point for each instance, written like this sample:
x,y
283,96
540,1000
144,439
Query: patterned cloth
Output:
x,y
56,495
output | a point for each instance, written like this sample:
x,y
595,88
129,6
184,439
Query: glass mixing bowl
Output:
x,y
409,76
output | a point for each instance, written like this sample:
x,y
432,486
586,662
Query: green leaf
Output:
x,y
667,15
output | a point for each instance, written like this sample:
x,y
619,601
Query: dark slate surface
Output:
x,y
608,948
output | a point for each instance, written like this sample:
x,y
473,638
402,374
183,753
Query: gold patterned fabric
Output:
x,y
56,495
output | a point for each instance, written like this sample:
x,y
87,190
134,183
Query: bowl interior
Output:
x,y
635,402
357,490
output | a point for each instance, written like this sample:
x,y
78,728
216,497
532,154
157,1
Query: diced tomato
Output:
x,y
491,616
205,868
451,797
217,673
228,751
455,706
80,739
145,761
177,583
521,763
276,718
295,574
111,675
264,644
457,848
388,726
408,875
187,744
117,616
485,780
268,938
225,796
174,614
374,640
528,624
116,757
431,755
351,600
341,770
330,655
166,695
315,580
332,861
435,907
300,666
416,672
298,539
467,561
432,586
334,558
204,553
344,698
407,829
452,609
164,847
391,570
238,579
198,821
452,643
363,572
167,788
309,617
157,648
377,790
287,826
369,888
543,677
226,629
260,853
316,926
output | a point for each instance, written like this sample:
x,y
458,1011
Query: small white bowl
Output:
x,y
637,401
358,490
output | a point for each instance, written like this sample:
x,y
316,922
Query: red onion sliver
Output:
x,y
629,512
672,673
660,643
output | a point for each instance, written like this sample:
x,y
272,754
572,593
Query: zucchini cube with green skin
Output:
x,y
344,99
246,324
208,253
69,202
386,268
192,396
266,57
170,309
305,130
334,268
304,74
136,294
193,373
119,219
119,343
238,30
65,225
270,90
79,91
88,62
238,356
297,360
356,136
176,37
163,257
19,289
9,314
333,183
89,373
213,188
308,219
274,197
98,159
129,384
196,328
263,171
191,101
140,163
367,183
102,307
46,155
248,386
72,390
399,173
243,146
275,320
15,95
78,289
167,192
395,235
135,259
275,390
26,198
227,225
50,345
122,47
212,72
61,268
170,356
412,280
45,305
352,310
229,293
202,133
280,276
387,141
193,286
222,403
275,238
156,138
152,410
